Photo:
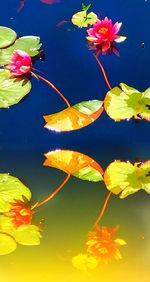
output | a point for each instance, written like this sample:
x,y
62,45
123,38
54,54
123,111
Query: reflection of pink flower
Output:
x,y
20,63
101,243
50,1
103,34
20,213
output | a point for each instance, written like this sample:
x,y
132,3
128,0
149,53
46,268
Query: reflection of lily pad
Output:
x,y
74,163
12,90
126,102
29,44
7,36
14,199
75,117
124,178
84,262
11,189
82,19
28,235
7,244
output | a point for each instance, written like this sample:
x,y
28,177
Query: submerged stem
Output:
x,y
51,195
103,209
103,71
53,86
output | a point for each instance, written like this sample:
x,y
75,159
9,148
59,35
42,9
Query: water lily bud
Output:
x,y
20,63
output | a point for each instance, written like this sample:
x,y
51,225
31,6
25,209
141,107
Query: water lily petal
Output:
x,y
120,242
120,39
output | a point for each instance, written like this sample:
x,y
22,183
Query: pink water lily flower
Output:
x,y
50,1
103,35
20,63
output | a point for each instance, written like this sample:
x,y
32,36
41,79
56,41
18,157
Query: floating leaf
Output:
x,y
75,163
126,102
82,19
7,36
5,55
75,117
11,189
29,44
7,244
124,178
12,90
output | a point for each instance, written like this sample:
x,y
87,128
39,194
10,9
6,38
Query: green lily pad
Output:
x,y
88,173
127,102
7,244
82,19
29,44
88,107
7,36
5,55
12,90
11,189
124,178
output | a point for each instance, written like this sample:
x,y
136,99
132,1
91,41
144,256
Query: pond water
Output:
x,y
69,216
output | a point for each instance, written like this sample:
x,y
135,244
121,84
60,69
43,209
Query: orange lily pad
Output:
x,y
75,117
74,163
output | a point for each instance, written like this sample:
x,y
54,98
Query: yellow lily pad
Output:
x,y
82,19
75,117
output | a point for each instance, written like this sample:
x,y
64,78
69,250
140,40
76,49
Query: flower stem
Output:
x,y
51,195
102,210
103,71
53,86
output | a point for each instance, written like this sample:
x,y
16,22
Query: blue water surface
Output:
x,y
71,67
